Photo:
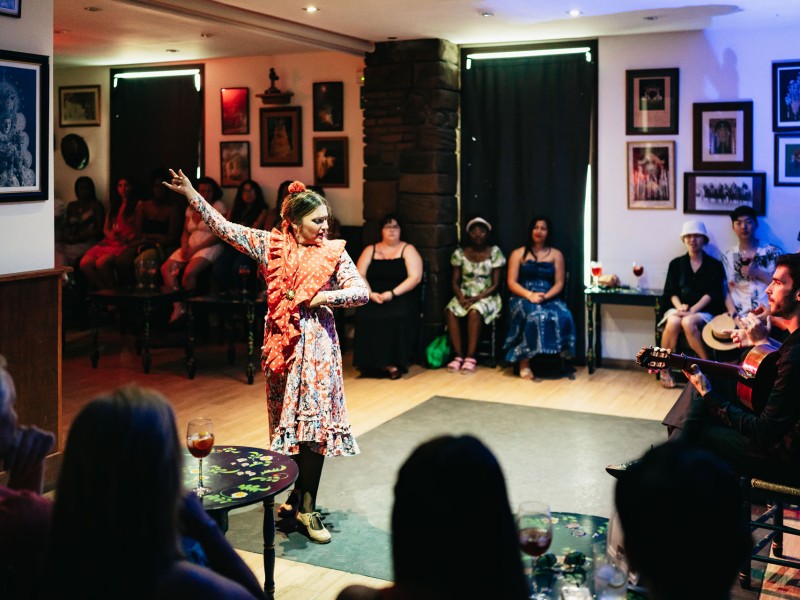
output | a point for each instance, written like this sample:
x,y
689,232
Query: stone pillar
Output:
x,y
411,108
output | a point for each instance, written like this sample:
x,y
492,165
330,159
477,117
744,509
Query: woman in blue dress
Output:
x,y
539,321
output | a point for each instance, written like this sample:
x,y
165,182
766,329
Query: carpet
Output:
x,y
556,455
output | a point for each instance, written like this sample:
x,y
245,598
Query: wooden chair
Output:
x,y
777,497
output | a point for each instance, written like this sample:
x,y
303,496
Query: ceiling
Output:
x,y
123,32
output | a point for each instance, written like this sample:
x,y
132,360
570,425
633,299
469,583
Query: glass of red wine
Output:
x,y
535,531
200,441
597,269
638,271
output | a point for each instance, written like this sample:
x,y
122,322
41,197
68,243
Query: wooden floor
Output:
x,y
220,391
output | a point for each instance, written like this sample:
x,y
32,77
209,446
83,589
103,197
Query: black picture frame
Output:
x,y
787,160
79,106
786,95
331,162
651,105
11,8
26,176
651,175
235,106
722,136
234,163
714,194
328,106
281,136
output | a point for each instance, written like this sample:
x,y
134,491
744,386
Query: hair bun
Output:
x,y
296,186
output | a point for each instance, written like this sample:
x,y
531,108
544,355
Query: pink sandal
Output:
x,y
469,365
454,366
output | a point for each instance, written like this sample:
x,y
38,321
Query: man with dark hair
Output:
x,y
749,265
759,441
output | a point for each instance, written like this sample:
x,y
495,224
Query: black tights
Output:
x,y
309,467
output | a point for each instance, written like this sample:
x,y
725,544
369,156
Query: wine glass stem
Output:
x,y
201,473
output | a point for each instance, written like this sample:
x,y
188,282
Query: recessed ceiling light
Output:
x,y
574,13
92,8
486,13
650,18
206,35
311,9
172,50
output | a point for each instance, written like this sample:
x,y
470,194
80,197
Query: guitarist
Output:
x,y
764,444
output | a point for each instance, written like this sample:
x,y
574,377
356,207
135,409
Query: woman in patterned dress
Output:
x,y
476,277
307,276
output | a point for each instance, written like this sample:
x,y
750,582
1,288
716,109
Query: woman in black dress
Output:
x,y
387,327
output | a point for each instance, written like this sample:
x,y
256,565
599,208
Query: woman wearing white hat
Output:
x,y
693,293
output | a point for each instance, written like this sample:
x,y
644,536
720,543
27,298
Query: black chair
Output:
x,y
488,344
777,498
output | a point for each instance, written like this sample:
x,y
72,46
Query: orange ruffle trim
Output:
x,y
290,283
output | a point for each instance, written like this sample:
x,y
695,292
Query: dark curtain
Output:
x,y
527,137
155,122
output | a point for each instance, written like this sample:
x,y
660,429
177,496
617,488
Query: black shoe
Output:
x,y
617,471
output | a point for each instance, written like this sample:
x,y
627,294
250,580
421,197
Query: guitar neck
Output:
x,y
683,362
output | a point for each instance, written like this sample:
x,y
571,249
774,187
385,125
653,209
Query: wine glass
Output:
x,y
200,441
597,270
638,271
611,571
535,530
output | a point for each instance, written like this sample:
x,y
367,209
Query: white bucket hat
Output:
x,y
694,227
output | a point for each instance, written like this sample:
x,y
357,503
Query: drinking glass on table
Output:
x,y
200,441
610,564
597,270
638,271
535,531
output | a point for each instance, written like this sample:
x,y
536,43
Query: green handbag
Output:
x,y
437,351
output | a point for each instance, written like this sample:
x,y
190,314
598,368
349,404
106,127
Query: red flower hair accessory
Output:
x,y
296,186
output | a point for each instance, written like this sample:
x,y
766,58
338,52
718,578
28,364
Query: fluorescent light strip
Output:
x,y
153,74
525,53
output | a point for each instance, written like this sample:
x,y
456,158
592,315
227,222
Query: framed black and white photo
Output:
x,y
786,95
78,105
651,174
328,106
24,126
331,166
723,136
787,159
651,105
234,163
720,193
10,8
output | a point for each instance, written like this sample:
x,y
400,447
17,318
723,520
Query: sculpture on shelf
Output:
x,y
272,95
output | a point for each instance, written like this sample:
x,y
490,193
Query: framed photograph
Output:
x,y
10,8
281,137
234,163
79,105
330,162
651,101
720,193
723,136
24,126
235,111
786,95
329,106
787,159
651,175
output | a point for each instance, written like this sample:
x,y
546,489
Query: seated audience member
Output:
x,y
477,267
694,292
119,508
435,557
251,210
388,326
539,320
199,247
83,224
24,513
749,265
660,503
117,247
158,224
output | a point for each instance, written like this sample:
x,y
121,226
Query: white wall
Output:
x,y
297,74
26,228
719,66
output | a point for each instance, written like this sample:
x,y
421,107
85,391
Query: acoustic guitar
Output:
x,y
755,375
